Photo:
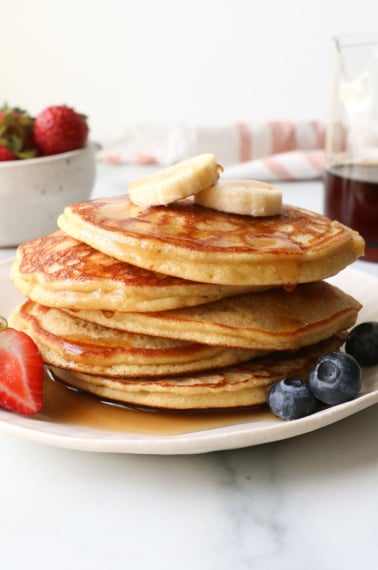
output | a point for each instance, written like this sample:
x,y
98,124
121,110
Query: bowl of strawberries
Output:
x,y
46,162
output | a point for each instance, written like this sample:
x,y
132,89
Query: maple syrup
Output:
x,y
65,405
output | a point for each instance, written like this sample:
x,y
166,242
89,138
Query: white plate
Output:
x,y
263,429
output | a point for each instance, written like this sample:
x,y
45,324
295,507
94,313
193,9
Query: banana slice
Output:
x,y
175,182
246,197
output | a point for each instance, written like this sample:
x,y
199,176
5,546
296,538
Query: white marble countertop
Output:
x,y
308,502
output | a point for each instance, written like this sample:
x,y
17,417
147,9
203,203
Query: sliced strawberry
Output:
x,y
21,378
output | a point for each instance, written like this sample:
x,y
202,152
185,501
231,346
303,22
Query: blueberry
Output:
x,y
362,343
336,378
290,399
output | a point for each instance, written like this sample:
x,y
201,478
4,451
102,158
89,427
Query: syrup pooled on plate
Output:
x,y
69,406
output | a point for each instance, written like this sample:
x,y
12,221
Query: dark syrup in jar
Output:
x,y
351,196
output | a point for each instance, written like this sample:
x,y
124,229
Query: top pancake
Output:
x,y
196,243
59,271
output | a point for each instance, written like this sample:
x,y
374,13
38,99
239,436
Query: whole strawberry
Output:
x,y
60,129
7,154
21,379
16,134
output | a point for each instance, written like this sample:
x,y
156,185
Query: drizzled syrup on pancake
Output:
x,y
201,229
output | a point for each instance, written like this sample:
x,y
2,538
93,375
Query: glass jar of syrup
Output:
x,y
351,176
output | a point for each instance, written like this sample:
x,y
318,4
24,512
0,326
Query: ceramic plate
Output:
x,y
261,429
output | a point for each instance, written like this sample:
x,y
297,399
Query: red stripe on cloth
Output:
x,y
245,142
316,159
283,136
320,133
145,159
280,171
113,159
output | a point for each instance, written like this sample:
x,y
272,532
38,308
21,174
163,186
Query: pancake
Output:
x,y
233,387
196,243
68,342
59,271
270,320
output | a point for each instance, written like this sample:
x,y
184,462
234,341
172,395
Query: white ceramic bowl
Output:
x,y
33,192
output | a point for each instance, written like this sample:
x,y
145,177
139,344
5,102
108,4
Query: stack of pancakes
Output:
x,y
182,307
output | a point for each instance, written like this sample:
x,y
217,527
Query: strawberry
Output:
x,y
16,130
7,154
21,378
60,129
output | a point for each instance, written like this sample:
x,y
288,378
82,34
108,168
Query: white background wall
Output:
x,y
192,61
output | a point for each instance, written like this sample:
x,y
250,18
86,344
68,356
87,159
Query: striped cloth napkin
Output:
x,y
273,150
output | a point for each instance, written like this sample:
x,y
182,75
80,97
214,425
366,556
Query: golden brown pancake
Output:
x,y
270,320
233,387
196,243
59,271
68,342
